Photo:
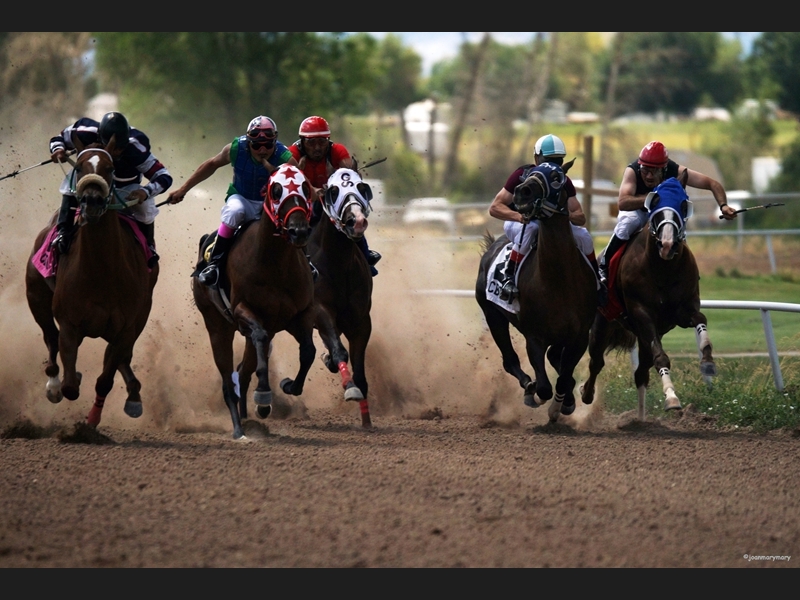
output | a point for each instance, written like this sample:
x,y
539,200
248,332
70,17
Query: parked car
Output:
x,y
430,212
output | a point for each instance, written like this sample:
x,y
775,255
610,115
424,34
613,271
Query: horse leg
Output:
x,y
358,350
221,334
68,342
41,303
544,389
302,329
245,372
499,327
598,341
707,367
565,384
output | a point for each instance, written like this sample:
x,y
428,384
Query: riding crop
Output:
x,y
44,162
741,210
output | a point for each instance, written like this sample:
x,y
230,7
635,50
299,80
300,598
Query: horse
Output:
x,y
270,288
655,286
101,288
557,294
343,291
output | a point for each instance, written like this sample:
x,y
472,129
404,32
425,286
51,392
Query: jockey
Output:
x,y
253,156
548,148
132,159
318,157
641,177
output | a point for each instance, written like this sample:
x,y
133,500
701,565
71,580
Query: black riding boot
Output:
x,y
371,256
602,292
149,231
508,288
210,275
65,225
614,244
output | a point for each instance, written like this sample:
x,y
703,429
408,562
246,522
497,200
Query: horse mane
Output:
x,y
487,241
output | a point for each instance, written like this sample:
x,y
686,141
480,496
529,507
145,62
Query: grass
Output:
x,y
741,396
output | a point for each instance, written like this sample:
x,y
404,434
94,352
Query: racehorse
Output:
x,y
657,286
557,294
102,287
270,289
343,291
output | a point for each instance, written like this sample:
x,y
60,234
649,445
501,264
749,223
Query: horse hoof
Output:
x,y
286,386
93,419
53,391
530,400
133,409
554,411
672,404
708,369
262,398
567,409
352,392
263,411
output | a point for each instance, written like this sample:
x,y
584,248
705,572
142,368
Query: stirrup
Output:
x,y
209,275
314,271
373,258
508,291
151,262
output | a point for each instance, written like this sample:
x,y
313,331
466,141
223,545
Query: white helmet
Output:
x,y
550,146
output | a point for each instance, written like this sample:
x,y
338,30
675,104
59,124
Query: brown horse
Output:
x,y
343,291
270,289
102,289
557,294
657,285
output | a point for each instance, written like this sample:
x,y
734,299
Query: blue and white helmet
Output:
x,y
550,146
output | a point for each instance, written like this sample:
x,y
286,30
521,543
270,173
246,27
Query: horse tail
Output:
x,y
486,243
620,339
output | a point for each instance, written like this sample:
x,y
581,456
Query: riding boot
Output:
x,y
149,231
314,272
602,291
65,225
508,288
371,256
614,244
211,274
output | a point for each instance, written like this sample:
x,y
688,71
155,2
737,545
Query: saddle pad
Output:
x,y
45,258
494,278
614,308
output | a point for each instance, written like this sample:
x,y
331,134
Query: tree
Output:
x,y
773,68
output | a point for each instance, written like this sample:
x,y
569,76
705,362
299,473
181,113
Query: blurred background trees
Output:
x,y
207,86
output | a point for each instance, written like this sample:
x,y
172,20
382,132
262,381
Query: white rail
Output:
x,y
764,307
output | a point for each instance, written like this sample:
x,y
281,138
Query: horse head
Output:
x,y
287,203
669,209
347,202
93,181
543,193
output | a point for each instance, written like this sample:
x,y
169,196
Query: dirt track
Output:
x,y
457,472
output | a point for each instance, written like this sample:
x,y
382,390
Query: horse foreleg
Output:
x,y
598,342
244,373
302,329
68,342
499,327
358,351
565,383
40,301
707,367
544,389
221,334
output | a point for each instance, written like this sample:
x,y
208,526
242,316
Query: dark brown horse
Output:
x,y
270,289
343,291
557,294
657,285
102,289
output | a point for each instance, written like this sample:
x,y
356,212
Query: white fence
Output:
x,y
764,307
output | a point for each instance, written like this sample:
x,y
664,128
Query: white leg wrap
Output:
x,y
670,397
702,337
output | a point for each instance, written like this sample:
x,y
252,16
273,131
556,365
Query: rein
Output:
x,y
280,223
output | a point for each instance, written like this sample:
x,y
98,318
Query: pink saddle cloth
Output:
x,y
46,258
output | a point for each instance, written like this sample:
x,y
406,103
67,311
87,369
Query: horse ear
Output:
x,y
567,166
684,178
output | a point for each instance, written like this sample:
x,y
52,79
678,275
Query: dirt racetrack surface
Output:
x,y
456,471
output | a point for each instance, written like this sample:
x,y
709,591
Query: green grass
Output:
x,y
741,396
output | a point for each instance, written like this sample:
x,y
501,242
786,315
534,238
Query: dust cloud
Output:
x,y
427,354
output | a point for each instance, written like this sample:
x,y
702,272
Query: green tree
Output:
x,y
773,68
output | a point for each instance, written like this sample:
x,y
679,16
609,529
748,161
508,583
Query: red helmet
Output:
x,y
314,127
654,154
